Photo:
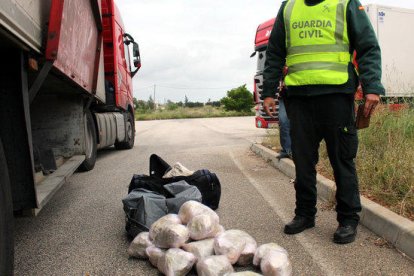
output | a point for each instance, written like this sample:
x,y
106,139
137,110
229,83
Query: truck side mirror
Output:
x,y
128,39
137,58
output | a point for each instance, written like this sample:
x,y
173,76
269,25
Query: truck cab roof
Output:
x,y
263,34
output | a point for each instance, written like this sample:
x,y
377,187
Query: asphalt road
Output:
x,y
81,230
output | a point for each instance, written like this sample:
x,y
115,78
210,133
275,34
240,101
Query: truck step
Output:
x,y
51,184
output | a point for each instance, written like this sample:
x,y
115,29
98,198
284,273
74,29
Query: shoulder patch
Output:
x,y
361,8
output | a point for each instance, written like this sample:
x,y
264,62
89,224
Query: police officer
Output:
x,y
316,39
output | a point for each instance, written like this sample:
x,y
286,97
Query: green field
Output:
x,y
186,112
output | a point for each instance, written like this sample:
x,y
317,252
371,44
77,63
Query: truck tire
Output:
x,y
6,219
90,143
129,135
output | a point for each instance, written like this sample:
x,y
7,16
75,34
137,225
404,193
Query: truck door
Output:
x,y
123,72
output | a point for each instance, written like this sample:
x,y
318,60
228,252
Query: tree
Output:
x,y
135,103
171,105
214,103
151,103
238,99
140,104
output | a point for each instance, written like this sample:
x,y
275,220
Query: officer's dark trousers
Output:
x,y
328,117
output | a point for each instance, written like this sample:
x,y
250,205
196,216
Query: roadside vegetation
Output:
x,y
238,102
385,161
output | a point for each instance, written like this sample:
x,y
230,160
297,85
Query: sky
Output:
x,y
198,48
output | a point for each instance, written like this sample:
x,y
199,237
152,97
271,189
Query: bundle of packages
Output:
x,y
214,265
273,260
175,243
237,245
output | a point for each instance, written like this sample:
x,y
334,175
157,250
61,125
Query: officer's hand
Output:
x,y
269,105
371,101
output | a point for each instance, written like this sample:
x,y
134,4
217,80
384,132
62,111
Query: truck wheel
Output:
x,y
129,135
6,219
90,143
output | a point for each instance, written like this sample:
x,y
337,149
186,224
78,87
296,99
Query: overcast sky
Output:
x,y
199,48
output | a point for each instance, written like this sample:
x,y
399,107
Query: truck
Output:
x,y
391,25
262,120
65,92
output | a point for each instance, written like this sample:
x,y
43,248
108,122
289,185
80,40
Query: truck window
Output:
x,y
127,59
261,58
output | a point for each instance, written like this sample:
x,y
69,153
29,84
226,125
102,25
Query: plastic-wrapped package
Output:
x,y
230,244
178,170
154,254
161,222
244,273
191,209
246,256
203,226
176,262
158,224
276,263
266,248
200,249
138,245
171,235
220,229
217,265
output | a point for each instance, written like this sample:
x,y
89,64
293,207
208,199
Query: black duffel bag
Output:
x,y
143,207
206,182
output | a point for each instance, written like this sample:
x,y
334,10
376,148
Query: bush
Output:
x,y
238,99
386,157
186,112
171,105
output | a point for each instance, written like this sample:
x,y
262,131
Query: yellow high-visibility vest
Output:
x,y
317,43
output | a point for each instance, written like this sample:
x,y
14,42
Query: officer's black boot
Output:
x,y
345,234
299,224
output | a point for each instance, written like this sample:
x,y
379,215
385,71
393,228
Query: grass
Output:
x,y
185,112
385,161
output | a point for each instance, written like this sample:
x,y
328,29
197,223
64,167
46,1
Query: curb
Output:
x,y
396,229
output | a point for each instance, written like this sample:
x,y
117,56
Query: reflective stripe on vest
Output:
x,y
317,43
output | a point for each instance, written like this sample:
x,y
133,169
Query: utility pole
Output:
x,y
155,105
